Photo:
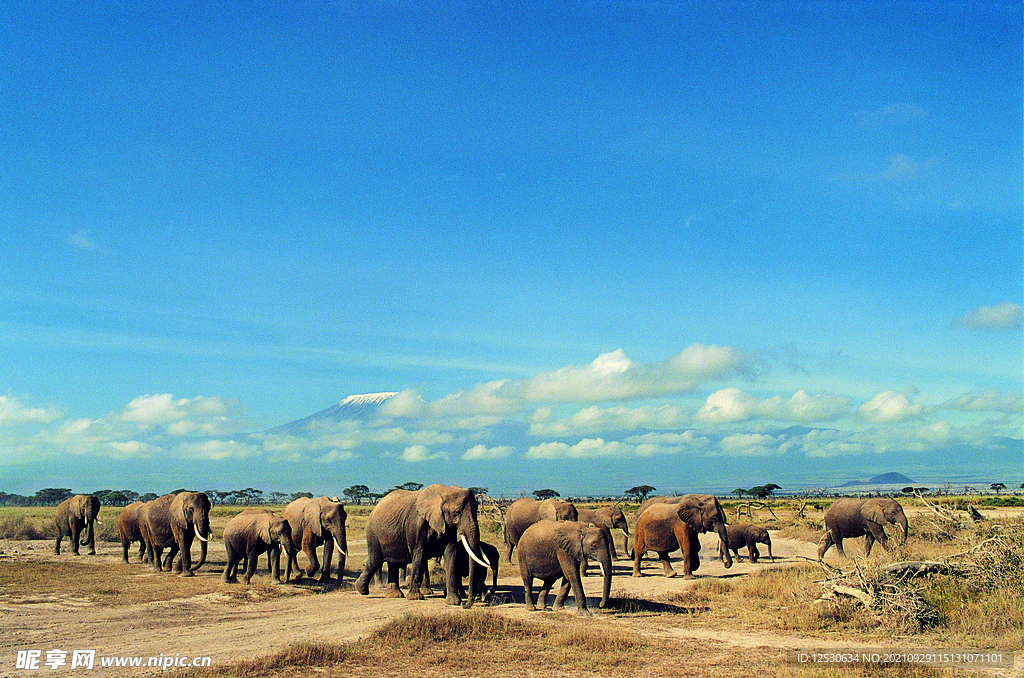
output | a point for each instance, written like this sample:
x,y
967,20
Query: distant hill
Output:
x,y
891,478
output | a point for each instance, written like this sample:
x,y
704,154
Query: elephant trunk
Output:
x,y
901,520
87,537
469,535
606,572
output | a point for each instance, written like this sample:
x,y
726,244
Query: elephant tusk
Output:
x,y
603,573
98,522
201,537
472,555
338,546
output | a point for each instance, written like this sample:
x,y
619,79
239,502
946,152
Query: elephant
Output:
x,y
857,517
550,549
663,528
72,516
172,521
749,536
128,527
647,503
409,526
608,517
462,562
251,533
316,521
525,512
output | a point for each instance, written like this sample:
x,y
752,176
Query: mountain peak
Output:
x,y
369,398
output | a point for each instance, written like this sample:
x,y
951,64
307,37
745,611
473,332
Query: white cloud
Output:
x,y
481,452
749,445
216,450
727,406
595,419
588,448
613,376
987,401
889,407
418,453
1001,317
12,413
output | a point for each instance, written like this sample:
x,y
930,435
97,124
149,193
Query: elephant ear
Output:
x,y
873,513
570,540
429,506
311,518
265,532
690,513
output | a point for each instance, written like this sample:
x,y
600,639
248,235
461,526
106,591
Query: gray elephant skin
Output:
x,y
251,534
314,522
72,517
128,528
407,527
666,527
462,564
173,521
525,512
549,550
744,534
861,517
610,518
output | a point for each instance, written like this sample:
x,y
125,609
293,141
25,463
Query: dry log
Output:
x,y
918,568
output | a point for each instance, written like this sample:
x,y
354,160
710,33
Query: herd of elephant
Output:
x,y
554,539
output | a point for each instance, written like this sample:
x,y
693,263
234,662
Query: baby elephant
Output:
x,y
549,550
252,533
746,535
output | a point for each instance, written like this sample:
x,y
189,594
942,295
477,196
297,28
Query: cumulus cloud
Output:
x,y
12,412
482,452
1006,316
889,407
613,376
588,448
182,416
419,453
987,401
595,419
728,405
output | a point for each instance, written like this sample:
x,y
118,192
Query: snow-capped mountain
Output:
x,y
361,406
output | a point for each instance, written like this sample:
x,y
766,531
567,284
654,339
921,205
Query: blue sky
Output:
x,y
590,245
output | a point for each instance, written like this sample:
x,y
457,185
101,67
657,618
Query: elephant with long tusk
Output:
x,y
173,521
316,521
408,527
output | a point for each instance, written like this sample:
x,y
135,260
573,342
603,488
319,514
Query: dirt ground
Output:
x,y
202,616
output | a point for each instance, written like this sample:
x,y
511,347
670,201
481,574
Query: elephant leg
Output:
x,y
76,535
393,589
91,543
251,556
372,566
542,594
753,552
639,549
232,559
274,556
453,582
528,590
666,565
56,546
309,548
838,539
561,596
571,572
325,576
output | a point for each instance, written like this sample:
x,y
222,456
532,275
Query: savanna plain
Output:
x,y
749,620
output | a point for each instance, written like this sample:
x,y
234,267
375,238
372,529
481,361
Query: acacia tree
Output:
x,y
545,494
356,493
640,492
998,487
739,492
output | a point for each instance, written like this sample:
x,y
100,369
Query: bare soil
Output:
x,y
98,603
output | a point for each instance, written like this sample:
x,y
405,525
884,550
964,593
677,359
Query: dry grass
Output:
x,y
113,585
